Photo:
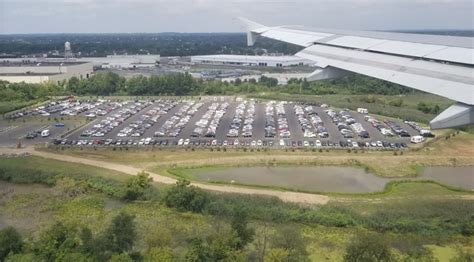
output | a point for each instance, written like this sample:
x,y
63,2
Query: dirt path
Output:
x,y
286,196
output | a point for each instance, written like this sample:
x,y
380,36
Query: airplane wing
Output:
x,y
441,65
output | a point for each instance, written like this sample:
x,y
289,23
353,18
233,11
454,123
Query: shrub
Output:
x,y
135,186
185,197
10,242
368,248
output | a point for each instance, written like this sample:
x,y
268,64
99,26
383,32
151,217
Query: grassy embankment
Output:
x,y
9,106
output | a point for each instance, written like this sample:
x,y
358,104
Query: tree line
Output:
x,y
181,84
165,44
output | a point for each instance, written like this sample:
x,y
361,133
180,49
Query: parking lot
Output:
x,y
234,123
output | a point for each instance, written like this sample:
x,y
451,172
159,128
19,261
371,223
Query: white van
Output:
x,y
45,133
417,139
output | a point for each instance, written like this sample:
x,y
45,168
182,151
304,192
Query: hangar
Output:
x,y
246,60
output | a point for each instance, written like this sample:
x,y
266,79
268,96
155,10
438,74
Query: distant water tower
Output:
x,y
67,50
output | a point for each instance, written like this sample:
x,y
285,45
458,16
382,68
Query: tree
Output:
x,y
73,84
121,233
463,256
413,248
238,82
87,241
289,238
57,242
368,248
239,224
159,237
185,197
262,240
223,246
121,258
277,255
135,186
159,254
397,102
10,242
29,257
198,251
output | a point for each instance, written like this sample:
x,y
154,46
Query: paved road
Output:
x,y
294,197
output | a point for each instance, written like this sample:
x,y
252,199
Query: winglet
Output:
x,y
250,25
253,30
458,114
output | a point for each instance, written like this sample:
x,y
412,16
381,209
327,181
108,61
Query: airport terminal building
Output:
x,y
244,60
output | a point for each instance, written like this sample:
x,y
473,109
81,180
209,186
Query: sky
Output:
x,y
150,16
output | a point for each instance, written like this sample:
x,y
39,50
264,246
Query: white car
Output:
x,y
186,142
147,141
379,144
45,133
236,142
354,144
282,142
259,143
305,143
180,142
254,143
318,143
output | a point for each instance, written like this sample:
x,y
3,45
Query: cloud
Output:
x,y
34,16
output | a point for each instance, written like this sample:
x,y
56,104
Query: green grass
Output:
x,y
60,167
8,106
96,210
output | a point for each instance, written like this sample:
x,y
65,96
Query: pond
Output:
x,y
328,178
460,177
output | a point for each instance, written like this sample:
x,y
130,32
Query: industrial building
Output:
x,y
282,78
244,60
122,61
29,71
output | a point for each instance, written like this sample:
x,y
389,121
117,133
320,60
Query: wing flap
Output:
x,y
450,81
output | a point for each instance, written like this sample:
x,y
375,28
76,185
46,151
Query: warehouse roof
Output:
x,y
250,58
5,63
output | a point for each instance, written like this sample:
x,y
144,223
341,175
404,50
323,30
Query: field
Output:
x,y
47,204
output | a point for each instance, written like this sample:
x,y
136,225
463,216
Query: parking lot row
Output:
x,y
247,119
172,122
232,143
